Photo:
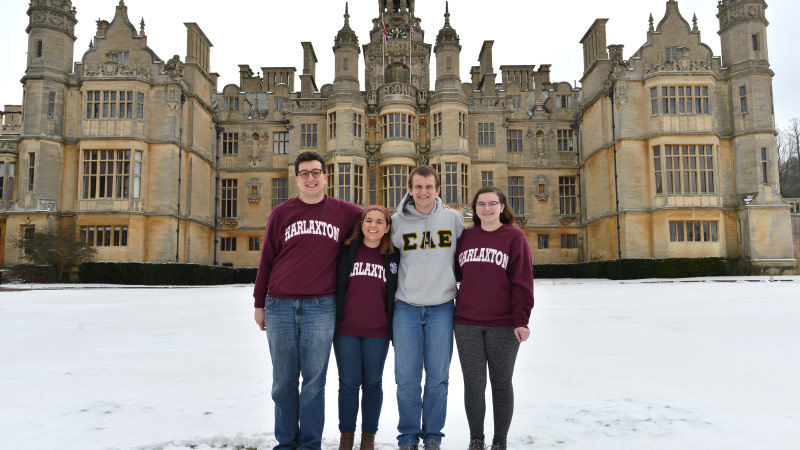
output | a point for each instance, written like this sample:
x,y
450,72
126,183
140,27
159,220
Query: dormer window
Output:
x,y
671,54
121,58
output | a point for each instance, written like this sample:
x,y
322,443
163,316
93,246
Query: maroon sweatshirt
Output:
x,y
364,312
497,278
301,243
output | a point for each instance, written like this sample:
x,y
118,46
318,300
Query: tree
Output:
x,y
788,143
56,246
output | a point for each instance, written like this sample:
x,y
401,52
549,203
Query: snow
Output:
x,y
651,364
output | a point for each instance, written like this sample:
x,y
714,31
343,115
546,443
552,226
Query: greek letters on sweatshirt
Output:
x,y
427,244
364,312
497,278
301,244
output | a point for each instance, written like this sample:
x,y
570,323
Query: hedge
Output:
x,y
630,269
160,274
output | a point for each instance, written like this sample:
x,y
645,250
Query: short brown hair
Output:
x,y
308,156
424,171
506,217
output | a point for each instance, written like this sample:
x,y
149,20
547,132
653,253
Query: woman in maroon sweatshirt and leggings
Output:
x,y
492,311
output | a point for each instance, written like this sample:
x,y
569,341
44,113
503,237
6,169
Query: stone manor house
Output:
x,y
667,152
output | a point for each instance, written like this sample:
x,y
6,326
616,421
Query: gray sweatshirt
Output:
x,y
427,244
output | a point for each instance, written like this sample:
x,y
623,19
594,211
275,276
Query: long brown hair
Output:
x,y
386,246
506,217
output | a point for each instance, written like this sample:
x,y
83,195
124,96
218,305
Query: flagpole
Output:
x,y
383,49
410,41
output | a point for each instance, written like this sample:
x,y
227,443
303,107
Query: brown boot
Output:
x,y
346,441
367,441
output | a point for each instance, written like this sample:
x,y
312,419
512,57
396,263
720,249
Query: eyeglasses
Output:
x,y
491,205
316,173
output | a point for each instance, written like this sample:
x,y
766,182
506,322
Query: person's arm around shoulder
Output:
x,y
521,277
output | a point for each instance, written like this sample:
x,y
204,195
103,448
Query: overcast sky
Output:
x,y
268,33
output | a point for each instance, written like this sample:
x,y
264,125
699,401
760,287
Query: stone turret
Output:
x,y
448,51
346,52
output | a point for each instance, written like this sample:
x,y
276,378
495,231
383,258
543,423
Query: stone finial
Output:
x,y
121,2
447,13
141,27
346,15
694,23
651,22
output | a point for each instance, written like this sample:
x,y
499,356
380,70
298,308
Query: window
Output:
x,y
280,191
516,195
122,58
437,124
485,135
106,174
254,244
743,99
688,169
137,173
280,142
566,143
31,167
344,182
29,233
113,104
464,183
450,182
514,141
569,241
395,180
544,241
229,195
396,125
516,101
567,197
756,45
372,187
230,104
680,100
487,179
358,184
230,143
39,48
653,101
357,125
7,181
332,125
462,125
104,236
671,54
764,178
51,106
564,101
696,231
227,244
308,135
330,188
139,105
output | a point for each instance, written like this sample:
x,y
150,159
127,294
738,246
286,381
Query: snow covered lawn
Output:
x,y
707,364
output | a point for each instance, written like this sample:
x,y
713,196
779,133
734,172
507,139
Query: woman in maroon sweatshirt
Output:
x,y
366,283
492,310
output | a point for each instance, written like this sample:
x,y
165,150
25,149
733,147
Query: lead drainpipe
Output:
x,y
578,137
216,190
616,176
180,154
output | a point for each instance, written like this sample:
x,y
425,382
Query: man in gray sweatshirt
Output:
x,y
426,234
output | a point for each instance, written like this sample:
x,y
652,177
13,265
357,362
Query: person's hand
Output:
x,y
259,317
522,334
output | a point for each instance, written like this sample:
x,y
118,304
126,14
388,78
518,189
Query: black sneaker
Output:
x,y
476,444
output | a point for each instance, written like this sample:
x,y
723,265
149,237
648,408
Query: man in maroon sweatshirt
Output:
x,y
295,300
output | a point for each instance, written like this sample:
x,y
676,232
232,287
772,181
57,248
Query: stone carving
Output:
x,y
254,190
492,103
542,188
174,67
112,69
682,65
232,222
47,204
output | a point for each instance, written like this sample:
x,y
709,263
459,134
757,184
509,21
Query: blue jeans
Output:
x,y
360,361
300,333
423,337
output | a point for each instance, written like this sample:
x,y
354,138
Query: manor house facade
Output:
x,y
669,152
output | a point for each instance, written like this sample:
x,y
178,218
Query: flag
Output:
x,y
384,34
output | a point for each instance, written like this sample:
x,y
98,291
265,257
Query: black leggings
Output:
x,y
497,347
